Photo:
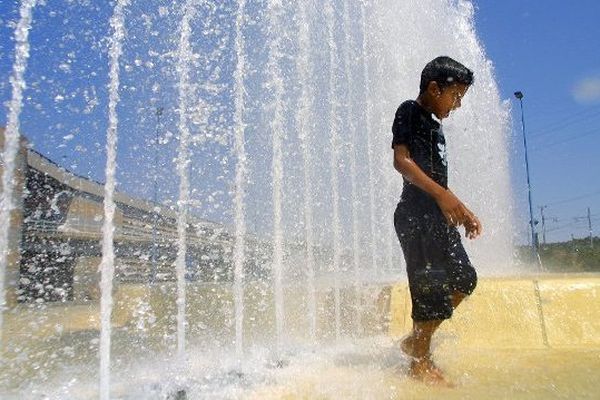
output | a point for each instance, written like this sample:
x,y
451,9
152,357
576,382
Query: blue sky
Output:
x,y
547,49
550,50
64,112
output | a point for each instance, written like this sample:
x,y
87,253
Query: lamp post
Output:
x,y
519,96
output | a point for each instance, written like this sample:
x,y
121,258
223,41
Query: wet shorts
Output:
x,y
436,261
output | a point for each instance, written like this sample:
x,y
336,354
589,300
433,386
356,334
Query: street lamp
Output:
x,y
519,96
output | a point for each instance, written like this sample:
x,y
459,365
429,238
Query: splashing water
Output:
x,y
306,69
240,178
369,150
184,57
282,211
11,140
277,130
107,265
334,126
353,167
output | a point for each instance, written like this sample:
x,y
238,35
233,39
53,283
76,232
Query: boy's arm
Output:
x,y
453,209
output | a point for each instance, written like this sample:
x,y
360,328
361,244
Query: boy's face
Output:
x,y
447,99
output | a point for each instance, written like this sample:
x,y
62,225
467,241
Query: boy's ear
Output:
x,y
434,89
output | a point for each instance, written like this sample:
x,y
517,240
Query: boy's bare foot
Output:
x,y
407,347
426,371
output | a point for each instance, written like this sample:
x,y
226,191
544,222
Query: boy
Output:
x,y
440,274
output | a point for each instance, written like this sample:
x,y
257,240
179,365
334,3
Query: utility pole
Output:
x,y
589,216
543,224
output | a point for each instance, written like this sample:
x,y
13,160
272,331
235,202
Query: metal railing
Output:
x,y
130,229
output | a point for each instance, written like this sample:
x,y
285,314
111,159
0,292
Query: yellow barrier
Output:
x,y
524,338
540,312
571,311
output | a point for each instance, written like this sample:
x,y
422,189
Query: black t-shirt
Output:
x,y
415,128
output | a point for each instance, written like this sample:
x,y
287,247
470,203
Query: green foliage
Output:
x,y
573,256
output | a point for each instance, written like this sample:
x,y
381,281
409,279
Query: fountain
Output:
x,y
11,139
107,265
277,131
240,178
303,117
334,126
245,229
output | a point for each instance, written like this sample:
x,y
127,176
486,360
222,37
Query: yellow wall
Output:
x,y
541,312
504,313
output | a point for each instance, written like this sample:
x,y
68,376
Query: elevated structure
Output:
x,y
56,230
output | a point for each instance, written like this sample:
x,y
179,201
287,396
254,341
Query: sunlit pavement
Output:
x,y
517,338
533,337
493,374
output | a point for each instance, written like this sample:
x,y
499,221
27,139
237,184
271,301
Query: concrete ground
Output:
x,y
514,338
532,337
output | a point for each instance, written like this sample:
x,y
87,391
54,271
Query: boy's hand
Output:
x,y
453,209
473,227
458,214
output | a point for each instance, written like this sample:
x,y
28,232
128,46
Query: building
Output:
x,y
56,232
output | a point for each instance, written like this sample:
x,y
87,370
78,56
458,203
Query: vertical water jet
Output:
x,y
334,126
303,116
184,57
348,49
240,180
276,126
369,134
107,265
11,140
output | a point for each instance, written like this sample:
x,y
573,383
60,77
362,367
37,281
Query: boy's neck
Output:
x,y
424,101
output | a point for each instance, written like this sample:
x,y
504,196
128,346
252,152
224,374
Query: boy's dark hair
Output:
x,y
445,71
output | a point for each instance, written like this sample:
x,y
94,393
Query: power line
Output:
x,y
550,111
569,120
542,132
569,139
584,196
568,155
560,228
556,220
580,224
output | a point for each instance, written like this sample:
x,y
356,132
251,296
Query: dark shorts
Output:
x,y
436,262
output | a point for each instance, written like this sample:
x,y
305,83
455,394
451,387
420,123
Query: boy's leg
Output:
x,y
462,279
457,298
440,245
425,246
418,343
421,366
